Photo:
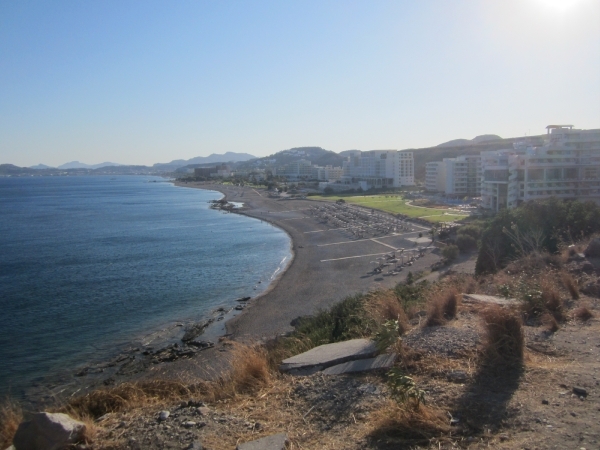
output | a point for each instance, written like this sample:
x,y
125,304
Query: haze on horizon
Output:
x,y
147,82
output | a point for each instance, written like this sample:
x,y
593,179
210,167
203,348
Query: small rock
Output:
x,y
545,402
189,424
503,437
163,415
203,411
581,392
183,405
196,445
273,442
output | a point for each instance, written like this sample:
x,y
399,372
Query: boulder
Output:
x,y
273,442
593,249
46,431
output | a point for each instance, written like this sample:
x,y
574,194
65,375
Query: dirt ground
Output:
x,y
534,407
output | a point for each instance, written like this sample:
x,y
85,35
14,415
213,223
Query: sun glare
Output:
x,y
559,5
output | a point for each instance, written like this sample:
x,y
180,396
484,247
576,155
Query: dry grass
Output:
x,y
442,307
249,372
407,425
11,416
132,395
250,369
384,305
570,284
550,323
505,340
583,313
552,301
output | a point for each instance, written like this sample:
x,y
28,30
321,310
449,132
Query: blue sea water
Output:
x,y
87,263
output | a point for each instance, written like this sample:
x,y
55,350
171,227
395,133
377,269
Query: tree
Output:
x,y
328,190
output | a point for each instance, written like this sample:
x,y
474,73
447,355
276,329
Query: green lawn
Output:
x,y
396,204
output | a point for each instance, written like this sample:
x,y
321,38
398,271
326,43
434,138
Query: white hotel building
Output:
x,y
379,169
456,177
566,166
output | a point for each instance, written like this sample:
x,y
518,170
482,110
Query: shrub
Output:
x,y
450,252
385,306
505,341
387,335
249,368
550,322
569,282
442,307
466,243
403,389
553,302
473,231
583,313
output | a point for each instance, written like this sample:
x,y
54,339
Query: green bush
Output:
x,y
466,243
535,226
450,252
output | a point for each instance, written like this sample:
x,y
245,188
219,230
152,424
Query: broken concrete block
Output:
x,y
328,355
380,362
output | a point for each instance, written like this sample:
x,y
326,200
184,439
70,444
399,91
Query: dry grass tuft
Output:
x,y
249,369
570,284
442,307
553,302
550,322
408,425
131,395
383,306
505,340
11,415
583,313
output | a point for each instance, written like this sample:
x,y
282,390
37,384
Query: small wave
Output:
x,y
281,266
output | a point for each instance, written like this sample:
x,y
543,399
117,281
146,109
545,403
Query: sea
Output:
x,y
90,263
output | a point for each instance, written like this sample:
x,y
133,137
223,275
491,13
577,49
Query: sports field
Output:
x,y
396,204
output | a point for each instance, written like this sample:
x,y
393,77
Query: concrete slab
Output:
x,y
328,355
472,298
273,442
380,362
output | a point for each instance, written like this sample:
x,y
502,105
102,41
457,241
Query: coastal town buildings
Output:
x,y
567,166
221,170
379,169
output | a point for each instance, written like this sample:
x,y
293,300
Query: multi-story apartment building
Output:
x,y
463,176
435,176
458,177
380,168
327,173
566,166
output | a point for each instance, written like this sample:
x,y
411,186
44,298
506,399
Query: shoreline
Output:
x,y
321,272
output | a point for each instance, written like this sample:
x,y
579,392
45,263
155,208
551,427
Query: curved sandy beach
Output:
x,y
326,267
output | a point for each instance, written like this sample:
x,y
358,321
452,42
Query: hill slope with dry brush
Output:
x,y
469,374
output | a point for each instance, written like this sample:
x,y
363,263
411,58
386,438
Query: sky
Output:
x,y
141,82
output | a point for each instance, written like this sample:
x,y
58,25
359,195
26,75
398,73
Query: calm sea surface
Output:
x,y
89,263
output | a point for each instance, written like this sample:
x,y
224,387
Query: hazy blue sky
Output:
x,y
140,82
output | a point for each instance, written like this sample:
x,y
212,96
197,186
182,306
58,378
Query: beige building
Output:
x,y
566,166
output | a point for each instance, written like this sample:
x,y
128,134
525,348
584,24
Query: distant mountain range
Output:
x,y
465,142
212,158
